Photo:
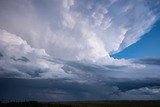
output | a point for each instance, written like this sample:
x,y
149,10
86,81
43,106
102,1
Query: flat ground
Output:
x,y
84,104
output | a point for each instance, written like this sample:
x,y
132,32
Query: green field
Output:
x,y
84,104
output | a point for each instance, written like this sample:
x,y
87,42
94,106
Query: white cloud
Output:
x,y
151,90
143,93
78,30
12,45
18,59
13,64
67,4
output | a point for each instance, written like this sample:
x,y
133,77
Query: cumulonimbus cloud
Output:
x,y
78,30
62,47
18,59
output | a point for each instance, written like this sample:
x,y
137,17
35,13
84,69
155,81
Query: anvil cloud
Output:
x,y
78,30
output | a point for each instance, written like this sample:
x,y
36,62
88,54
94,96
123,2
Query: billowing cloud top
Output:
x,y
72,30
78,30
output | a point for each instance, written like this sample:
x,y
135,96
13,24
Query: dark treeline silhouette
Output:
x,y
84,104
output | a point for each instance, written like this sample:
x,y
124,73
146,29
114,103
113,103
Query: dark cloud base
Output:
x,y
77,81
12,89
150,61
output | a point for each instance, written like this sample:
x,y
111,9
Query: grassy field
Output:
x,y
84,104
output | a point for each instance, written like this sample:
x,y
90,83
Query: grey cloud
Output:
x,y
1,55
149,61
48,67
76,81
144,93
24,59
64,90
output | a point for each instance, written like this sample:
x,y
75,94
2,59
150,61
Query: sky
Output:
x,y
147,46
72,50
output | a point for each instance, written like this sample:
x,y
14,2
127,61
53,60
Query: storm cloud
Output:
x,y
59,50
78,30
